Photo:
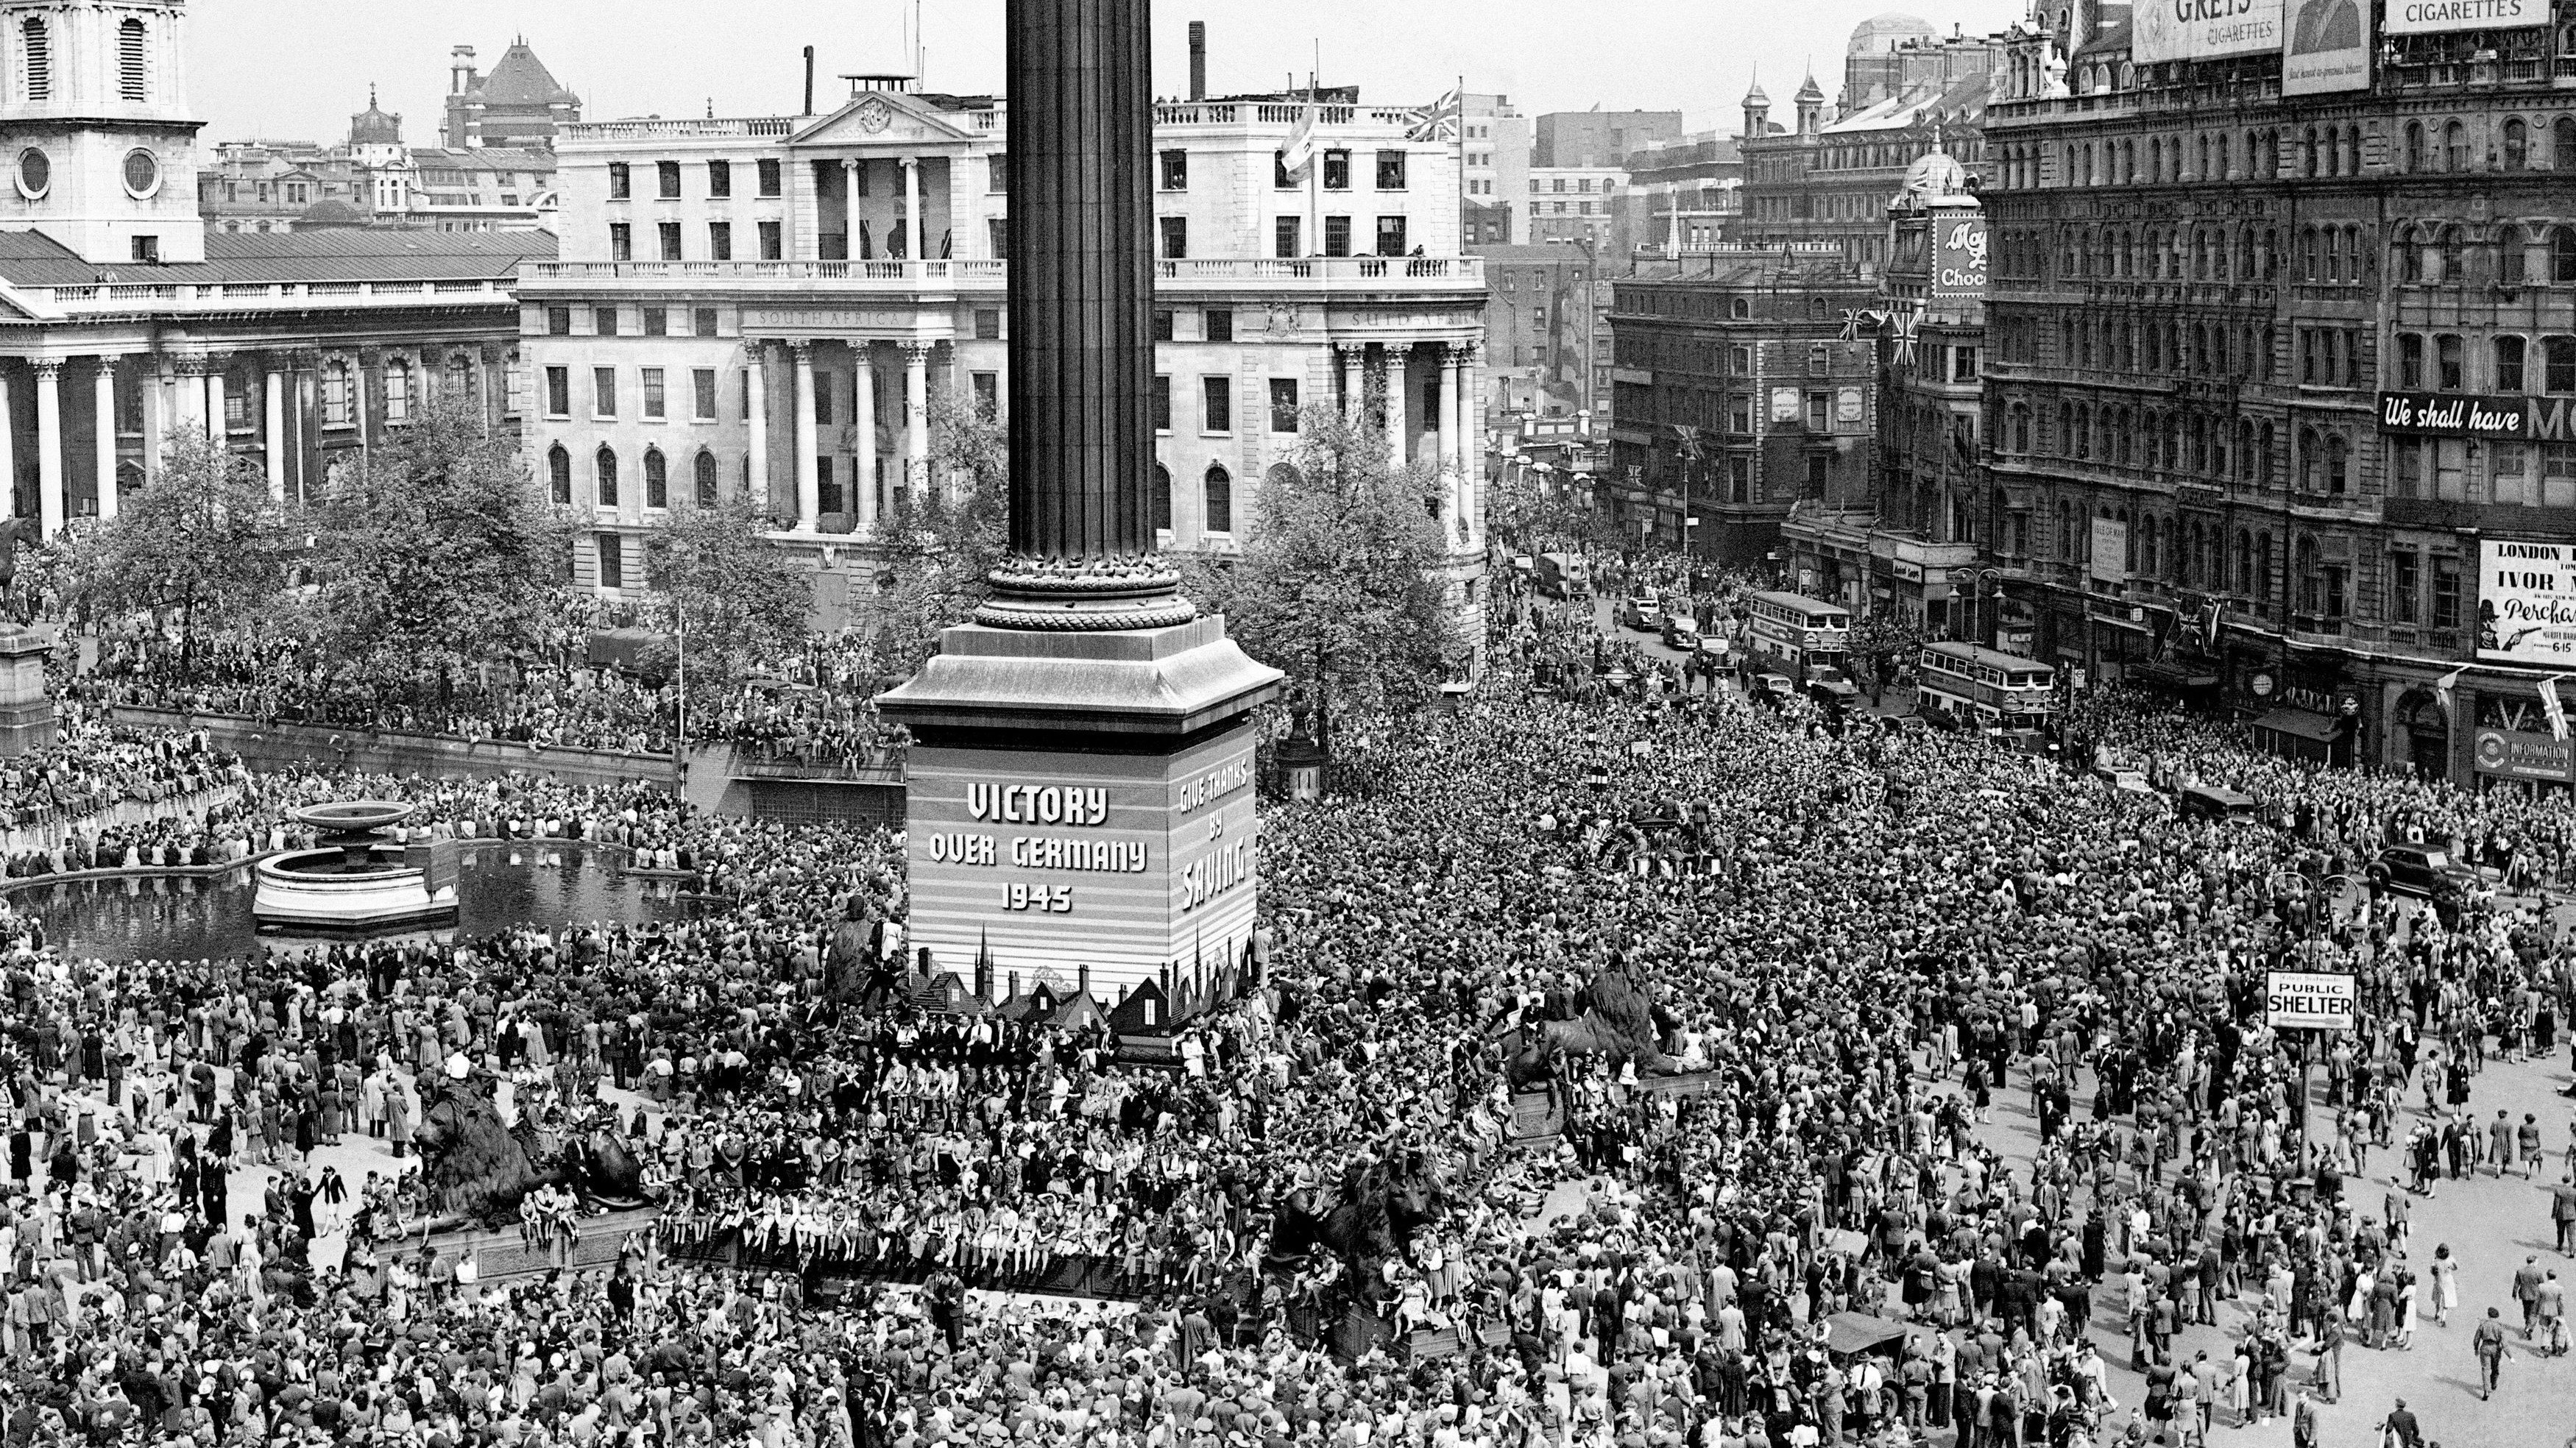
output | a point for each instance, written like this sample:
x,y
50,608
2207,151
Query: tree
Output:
x,y
437,553
1338,586
204,544
937,545
729,596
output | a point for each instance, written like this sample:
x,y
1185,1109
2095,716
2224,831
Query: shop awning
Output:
x,y
2299,722
2172,676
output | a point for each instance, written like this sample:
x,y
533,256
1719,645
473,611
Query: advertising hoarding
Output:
x,y
2298,1000
2162,30
2326,48
2526,602
1959,258
2436,17
2450,414
2110,561
1123,863
2520,754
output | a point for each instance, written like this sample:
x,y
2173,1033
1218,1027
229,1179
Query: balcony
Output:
x,y
679,129
1462,275
1277,114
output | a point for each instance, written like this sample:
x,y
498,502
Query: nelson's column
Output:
x,y
1081,792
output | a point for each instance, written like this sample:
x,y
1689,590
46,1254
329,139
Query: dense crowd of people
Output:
x,y
1634,1053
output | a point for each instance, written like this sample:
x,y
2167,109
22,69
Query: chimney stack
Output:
x,y
460,70
1198,60
809,81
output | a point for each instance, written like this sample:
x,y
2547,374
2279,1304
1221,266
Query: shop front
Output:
x,y
2316,720
2512,748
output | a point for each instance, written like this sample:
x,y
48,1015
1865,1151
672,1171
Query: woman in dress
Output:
x,y
2446,1284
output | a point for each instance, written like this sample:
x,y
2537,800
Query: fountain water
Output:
x,y
356,883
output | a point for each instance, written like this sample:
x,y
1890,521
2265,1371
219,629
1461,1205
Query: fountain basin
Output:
x,y
353,885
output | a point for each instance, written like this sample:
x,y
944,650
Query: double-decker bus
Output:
x,y
1994,693
1805,638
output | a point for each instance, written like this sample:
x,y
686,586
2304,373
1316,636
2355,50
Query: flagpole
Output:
x,y
1461,153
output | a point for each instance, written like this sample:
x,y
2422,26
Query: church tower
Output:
x,y
94,129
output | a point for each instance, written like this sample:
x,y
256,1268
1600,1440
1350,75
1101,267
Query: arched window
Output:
x,y
397,390
2455,147
2263,567
605,468
706,478
2509,257
2310,579
2455,246
37,45
2562,254
2562,143
2147,546
2410,259
2245,450
2243,577
2338,464
460,377
131,76
2517,144
1158,501
2414,147
657,479
1739,309
559,473
2312,461
1220,499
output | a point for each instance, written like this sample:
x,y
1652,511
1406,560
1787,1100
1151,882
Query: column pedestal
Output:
x,y
26,710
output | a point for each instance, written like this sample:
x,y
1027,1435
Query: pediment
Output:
x,y
883,118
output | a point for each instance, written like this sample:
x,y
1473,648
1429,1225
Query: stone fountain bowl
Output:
x,y
353,816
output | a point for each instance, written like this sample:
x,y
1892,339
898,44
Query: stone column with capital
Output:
x,y
103,413
8,452
1471,439
916,417
272,431
809,489
218,413
914,237
1352,360
755,420
1449,360
188,390
49,444
1397,402
863,421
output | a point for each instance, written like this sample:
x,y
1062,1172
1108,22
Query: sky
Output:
x,y
297,69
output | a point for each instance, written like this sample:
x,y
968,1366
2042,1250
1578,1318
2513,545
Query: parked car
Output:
x,y
1644,614
1778,687
1681,631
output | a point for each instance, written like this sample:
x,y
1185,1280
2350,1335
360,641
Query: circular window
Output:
x,y
142,172
35,173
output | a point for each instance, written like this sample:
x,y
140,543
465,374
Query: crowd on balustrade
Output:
x,y
1858,952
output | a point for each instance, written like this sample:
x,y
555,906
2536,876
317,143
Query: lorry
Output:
x,y
1564,576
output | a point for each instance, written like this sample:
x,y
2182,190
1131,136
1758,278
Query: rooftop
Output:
x,y
520,79
32,259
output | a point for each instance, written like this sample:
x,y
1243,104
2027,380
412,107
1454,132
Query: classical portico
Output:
x,y
858,434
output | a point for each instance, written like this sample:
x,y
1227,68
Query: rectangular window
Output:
x,y
2404,581
558,321
1963,364
1286,238
1739,480
1739,360
1390,236
558,392
621,182
769,242
1162,324
1162,403
720,241
1281,178
2508,364
2450,370
2410,361
997,174
2512,473
1739,413
1216,395
603,321
1176,237
827,487
1174,172
988,395
1819,469
769,174
653,402
1820,411
668,174
702,386
612,561
1220,325
1390,170
719,178
1337,236
603,392
2558,363
988,324
1283,404
2446,593
1337,170
621,241
670,240
657,322
702,321
2406,454
997,235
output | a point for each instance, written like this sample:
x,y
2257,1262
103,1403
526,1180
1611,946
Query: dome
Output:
x,y
372,127
1935,173
1886,32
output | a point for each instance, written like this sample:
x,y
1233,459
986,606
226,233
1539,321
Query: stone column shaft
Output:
x,y
103,405
756,419
49,445
916,418
809,488
273,421
863,416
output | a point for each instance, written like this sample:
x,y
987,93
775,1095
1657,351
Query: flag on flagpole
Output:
x,y
1439,120
2443,685
1300,150
2550,706
2209,624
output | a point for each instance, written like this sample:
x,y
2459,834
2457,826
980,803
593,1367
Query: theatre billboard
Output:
x,y
2526,602
2204,29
